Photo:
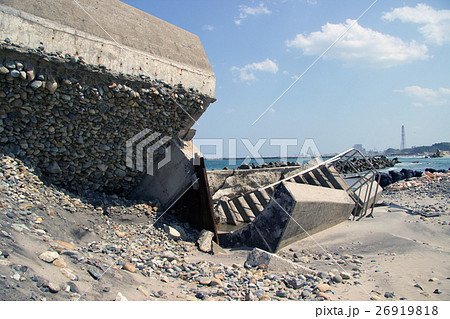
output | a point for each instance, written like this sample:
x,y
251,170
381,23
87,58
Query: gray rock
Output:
x,y
337,278
73,287
53,287
15,73
205,240
169,255
94,272
345,275
10,64
389,294
3,70
249,296
54,168
11,215
16,276
294,283
306,293
49,256
273,262
36,84
172,232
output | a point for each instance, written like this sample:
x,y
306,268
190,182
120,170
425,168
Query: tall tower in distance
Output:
x,y
403,145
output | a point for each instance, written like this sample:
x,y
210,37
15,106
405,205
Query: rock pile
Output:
x,y
73,119
361,165
267,165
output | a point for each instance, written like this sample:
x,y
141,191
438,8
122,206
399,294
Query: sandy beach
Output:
x,y
394,252
56,246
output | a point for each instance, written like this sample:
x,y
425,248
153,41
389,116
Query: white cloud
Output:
x,y
425,96
247,72
436,23
245,11
359,44
208,27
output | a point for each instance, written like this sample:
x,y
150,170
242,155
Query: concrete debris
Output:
x,y
49,256
258,257
294,211
172,232
121,297
205,241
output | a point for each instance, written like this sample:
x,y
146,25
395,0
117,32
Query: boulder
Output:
x,y
385,179
205,240
49,256
407,173
396,176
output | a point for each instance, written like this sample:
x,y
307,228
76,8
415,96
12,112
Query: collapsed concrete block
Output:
x,y
294,212
172,179
273,262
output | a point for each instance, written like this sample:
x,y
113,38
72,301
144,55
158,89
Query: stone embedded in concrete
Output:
x,y
294,212
273,262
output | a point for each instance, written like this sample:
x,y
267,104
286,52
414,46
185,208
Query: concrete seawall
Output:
x,y
71,98
113,34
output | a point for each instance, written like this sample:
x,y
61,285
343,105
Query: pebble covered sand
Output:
x,y
57,246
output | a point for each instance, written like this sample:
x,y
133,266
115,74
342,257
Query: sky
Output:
x,y
337,72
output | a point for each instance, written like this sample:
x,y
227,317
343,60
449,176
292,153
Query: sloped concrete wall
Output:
x,y
71,96
294,211
113,34
233,183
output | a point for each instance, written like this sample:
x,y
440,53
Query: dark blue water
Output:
x,y
414,163
235,163
420,163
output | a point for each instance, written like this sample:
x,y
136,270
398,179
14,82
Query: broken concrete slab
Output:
x,y
273,262
171,180
294,212
205,240
232,183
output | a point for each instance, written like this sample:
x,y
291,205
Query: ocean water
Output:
x,y
419,163
235,163
412,162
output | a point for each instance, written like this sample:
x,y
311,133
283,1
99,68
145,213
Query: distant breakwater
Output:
x,y
360,164
395,176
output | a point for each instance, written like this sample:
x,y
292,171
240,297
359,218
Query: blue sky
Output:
x,y
390,68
